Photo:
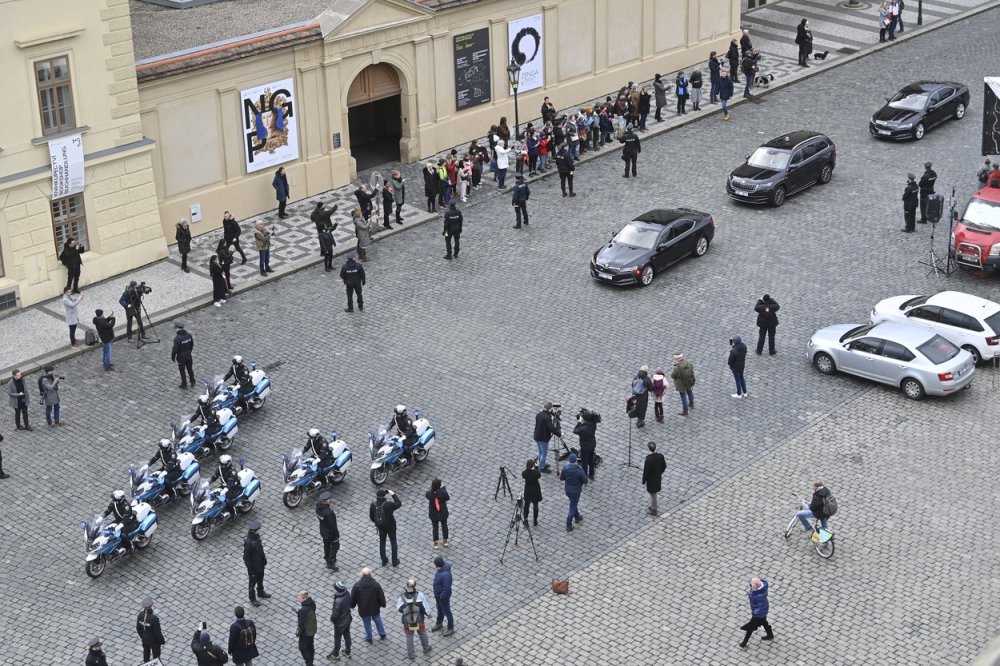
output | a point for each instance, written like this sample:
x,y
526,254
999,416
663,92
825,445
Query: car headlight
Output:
x,y
995,250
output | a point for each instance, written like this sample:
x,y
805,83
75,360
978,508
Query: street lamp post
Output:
x,y
513,78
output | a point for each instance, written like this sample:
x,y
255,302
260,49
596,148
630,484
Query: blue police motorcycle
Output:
x,y
103,540
303,475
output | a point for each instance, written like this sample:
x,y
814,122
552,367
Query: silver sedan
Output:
x,y
912,357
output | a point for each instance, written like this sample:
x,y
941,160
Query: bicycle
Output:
x,y
822,539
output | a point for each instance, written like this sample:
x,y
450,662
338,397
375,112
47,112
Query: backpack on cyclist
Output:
x,y
829,504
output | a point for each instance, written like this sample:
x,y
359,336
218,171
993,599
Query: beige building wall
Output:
x,y
121,204
591,48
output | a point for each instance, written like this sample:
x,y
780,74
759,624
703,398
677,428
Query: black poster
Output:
x,y
991,115
472,68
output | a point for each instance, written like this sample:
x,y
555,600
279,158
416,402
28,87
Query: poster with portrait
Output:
x,y
270,128
524,40
472,68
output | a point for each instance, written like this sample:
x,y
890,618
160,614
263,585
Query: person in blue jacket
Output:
x,y
574,479
442,596
758,611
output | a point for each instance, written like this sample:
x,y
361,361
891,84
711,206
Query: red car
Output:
x,y
975,241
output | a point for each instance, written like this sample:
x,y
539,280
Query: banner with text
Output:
x,y
66,155
991,115
472,69
270,127
524,39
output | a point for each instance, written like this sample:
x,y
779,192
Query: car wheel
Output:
x,y
959,111
918,132
976,356
700,246
912,388
825,174
778,196
646,276
824,363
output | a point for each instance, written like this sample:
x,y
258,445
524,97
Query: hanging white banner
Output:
x,y
524,38
66,155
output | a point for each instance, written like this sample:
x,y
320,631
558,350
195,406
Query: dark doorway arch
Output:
x,y
374,116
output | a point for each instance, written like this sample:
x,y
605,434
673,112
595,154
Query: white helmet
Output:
x,y
203,399
164,443
118,494
225,460
400,409
313,432
237,359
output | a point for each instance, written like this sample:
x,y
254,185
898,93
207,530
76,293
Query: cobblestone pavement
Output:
x,y
479,343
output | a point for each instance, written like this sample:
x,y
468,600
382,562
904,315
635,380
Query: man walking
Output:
x,y
50,392
231,234
564,163
18,399
519,199
758,611
683,376
305,630
545,428
71,258
242,639
412,606
652,476
262,239
382,514
767,321
255,561
181,354
641,385
281,190
631,149
574,479
328,529
341,618
926,186
442,596
105,327
910,204
452,230
353,275
147,625
367,596
737,363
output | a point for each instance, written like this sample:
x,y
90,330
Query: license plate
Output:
x,y
881,131
967,257
603,276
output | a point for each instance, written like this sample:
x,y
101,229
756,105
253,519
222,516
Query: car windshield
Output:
x,y
982,214
769,158
909,100
637,236
938,350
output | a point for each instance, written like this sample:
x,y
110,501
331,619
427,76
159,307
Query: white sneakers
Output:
x,y
737,395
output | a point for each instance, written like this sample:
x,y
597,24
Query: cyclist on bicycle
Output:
x,y
815,509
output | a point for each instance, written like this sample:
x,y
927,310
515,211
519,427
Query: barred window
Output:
x,y
55,95
69,220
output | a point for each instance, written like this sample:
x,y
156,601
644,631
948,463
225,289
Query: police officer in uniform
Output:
x,y
353,275
319,446
519,199
926,186
910,204
239,372
148,627
181,353
171,465
95,655
120,509
452,230
206,413
631,149
564,163
231,480
255,561
404,425
328,529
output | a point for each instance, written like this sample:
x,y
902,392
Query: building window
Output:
x,y
55,95
69,220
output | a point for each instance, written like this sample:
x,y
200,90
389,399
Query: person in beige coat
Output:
x,y
363,230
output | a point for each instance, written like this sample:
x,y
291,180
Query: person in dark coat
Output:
x,y
255,561
737,362
340,617
242,639
714,78
442,596
910,204
652,476
181,353
660,92
183,238
382,514
767,322
305,629
231,234
205,651
327,243
631,149
105,327
745,44
758,611
725,93
430,186
95,654
437,511
367,596
18,397
328,529
353,275
803,37
147,625
218,281
695,82
452,230
519,200
532,493
545,428
586,430
574,480
564,163
281,190
926,185
733,56
73,261
3,474
816,508
641,386
387,203
364,198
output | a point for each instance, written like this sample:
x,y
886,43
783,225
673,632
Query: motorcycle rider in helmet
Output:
x,y
171,465
207,414
241,374
120,510
227,472
320,447
404,425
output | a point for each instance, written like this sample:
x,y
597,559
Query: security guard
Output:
x,y
353,275
910,203
95,655
328,529
171,465
452,230
148,627
926,186
631,149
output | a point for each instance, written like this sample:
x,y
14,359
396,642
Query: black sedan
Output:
x,y
917,108
650,243
783,166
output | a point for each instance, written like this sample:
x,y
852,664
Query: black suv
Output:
x,y
783,166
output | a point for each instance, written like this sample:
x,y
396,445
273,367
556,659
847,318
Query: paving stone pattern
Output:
x,y
479,343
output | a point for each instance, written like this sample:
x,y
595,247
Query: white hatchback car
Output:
x,y
971,322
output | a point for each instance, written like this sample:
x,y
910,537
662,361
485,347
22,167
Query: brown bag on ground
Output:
x,y
560,585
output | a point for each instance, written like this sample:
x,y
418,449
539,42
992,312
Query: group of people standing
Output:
x,y
890,19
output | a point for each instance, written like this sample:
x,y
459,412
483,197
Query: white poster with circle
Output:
x,y
524,40
269,124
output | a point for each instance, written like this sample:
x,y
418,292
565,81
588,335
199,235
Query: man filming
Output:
x,y
586,430
131,300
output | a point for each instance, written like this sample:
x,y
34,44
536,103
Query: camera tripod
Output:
x,y
628,463
141,339
515,526
504,483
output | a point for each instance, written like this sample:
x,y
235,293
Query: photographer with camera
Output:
x,y
545,427
586,430
49,384
131,300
